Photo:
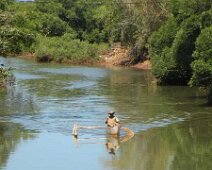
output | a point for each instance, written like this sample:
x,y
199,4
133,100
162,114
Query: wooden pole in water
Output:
x,y
75,131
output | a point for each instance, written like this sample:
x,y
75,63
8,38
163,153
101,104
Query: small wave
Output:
x,y
154,124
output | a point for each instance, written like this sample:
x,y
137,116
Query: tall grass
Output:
x,y
64,49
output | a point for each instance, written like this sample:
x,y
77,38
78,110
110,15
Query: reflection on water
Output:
x,y
175,147
10,136
173,127
112,144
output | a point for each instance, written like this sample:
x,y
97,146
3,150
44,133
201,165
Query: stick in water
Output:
x,y
75,131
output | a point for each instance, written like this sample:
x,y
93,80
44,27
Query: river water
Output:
x,y
172,124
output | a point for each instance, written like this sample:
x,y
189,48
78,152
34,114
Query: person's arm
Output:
x,y
106,121
117,120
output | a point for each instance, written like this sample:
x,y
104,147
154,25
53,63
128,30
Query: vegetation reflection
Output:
x,y
184,146
10,136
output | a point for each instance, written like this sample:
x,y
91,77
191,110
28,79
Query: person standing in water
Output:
x,y
112,120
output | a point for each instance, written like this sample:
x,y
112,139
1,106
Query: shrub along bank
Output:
x,y
66,50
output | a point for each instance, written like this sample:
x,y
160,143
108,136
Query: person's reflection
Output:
x,y
112,144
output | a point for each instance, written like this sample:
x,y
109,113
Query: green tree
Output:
x,y
202,64
52,26
14,41
171,49
172,45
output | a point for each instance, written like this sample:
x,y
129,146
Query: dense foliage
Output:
x,y
92,21
64,49
178,42
172,33
202,64
180,49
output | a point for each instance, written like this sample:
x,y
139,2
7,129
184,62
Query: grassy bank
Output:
x,y
66,50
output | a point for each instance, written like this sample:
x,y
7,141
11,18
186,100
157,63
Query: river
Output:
x,y
172,124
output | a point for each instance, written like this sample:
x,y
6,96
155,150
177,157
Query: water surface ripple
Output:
x,y
171,122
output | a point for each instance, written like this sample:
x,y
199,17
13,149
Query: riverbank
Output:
x,y
116,56
120,56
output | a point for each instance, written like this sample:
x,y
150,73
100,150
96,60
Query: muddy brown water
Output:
x,y
172,124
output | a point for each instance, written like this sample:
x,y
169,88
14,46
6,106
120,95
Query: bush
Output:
x,y
161,54
184,45
183,9
202,73
163,38
4,3
203,49
202,64
51,25
63,48
205,19
165,68
13,40
171,49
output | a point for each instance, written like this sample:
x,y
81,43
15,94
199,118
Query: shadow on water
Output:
x,y
205,105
